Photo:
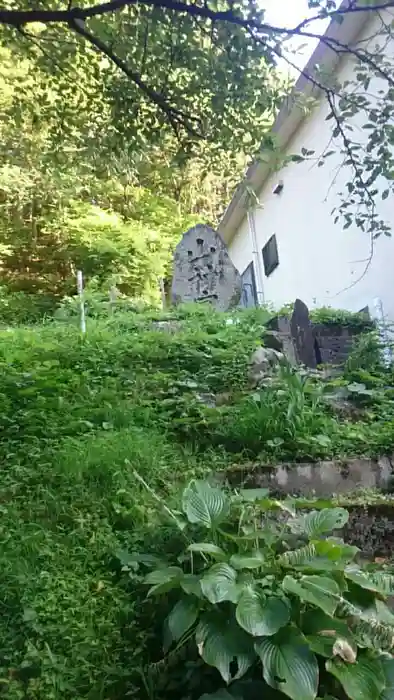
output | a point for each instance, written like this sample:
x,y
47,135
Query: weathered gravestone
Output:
x,y
203,270
302,335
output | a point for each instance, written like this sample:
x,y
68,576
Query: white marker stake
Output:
x,y
162,292
81,301
383,332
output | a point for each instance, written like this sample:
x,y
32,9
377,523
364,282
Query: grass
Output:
x,y
78,418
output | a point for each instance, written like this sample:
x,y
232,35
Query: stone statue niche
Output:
x,y
203,271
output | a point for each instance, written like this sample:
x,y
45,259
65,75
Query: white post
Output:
x,y
81,300
113,295
162,292
382,328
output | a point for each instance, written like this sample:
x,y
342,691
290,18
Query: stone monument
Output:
x,y
203,270
301,332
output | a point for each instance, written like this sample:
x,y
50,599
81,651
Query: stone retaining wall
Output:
x,y
370,527
322,479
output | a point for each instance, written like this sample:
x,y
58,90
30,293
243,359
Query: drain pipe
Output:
x,y
256,257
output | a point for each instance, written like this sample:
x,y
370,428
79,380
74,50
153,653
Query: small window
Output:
x,y
270,256
249,293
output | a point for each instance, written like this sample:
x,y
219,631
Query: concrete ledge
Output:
x,y
323,479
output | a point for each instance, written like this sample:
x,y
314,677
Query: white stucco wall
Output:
x,y
319,262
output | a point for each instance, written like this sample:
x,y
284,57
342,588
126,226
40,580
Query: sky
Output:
x,y
289,13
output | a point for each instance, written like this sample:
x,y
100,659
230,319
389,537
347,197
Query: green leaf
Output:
x,y
182,617
321,555
299,557
315,622
207,548
260,616
388,670
289,665
335,550
321,591
254,560
163,580
321,645
219,584
381,612
319,522
378,582
204,505
221,642
190,583
371,633
363,680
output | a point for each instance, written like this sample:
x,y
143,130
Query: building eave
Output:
x,y
291,115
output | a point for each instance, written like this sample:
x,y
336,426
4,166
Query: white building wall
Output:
x,y
319,262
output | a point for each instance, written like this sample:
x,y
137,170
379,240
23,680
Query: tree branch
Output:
x,y
17,18
175,116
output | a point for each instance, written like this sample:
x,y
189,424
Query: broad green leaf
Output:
x,y
182,617
317,623
372,581
321,645
224,645
321,591
261,616
298,557
289,665
336,550
190,583
381,612
363,680
319,555
371,633
207,548
253,560
164,580
204,504
388,670
219,584
319,522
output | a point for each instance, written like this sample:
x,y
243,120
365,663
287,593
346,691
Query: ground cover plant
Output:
x,y
277,601
90,429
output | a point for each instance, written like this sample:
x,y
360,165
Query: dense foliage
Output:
x,y
94,430
93,176
282,591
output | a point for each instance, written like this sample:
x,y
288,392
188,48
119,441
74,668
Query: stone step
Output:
x,y
320,479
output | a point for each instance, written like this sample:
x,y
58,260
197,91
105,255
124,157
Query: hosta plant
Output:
x,y
269,593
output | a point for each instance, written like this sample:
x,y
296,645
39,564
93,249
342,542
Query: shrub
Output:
x,y
262,594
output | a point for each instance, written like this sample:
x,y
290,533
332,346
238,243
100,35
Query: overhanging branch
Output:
x,y
175,116
17,18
